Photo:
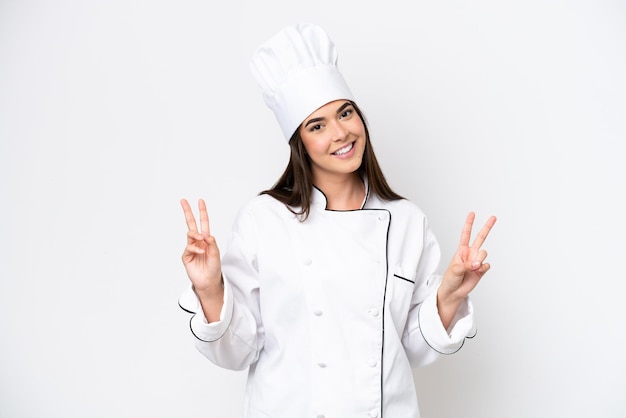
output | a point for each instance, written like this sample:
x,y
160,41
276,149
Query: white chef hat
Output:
x,y
297,71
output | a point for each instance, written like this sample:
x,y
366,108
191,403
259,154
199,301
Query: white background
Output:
x,y
110,112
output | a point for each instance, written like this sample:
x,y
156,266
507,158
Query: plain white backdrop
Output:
x,y
110,112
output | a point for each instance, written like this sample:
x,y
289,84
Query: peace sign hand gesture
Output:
x,y
201,259
464,271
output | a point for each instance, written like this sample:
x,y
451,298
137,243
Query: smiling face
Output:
x,y
334,138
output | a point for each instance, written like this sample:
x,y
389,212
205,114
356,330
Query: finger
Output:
x,y
191,253
201,241
484,232
195,236
191,221
484,269
204,218
192,249
467,230
479,260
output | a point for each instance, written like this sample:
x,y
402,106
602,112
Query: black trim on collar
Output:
x,y
367,195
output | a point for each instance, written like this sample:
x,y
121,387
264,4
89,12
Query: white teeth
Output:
x,y
344,150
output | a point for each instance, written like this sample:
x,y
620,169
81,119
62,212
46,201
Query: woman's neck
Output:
x,y
343,193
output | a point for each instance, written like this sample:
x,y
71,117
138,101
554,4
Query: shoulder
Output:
x,y
400,207
262,208
407,218
263,203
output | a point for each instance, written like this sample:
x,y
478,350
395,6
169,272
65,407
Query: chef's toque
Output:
x,y
297,72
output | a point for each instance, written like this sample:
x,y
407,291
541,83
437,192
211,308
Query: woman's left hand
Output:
x,y
465,270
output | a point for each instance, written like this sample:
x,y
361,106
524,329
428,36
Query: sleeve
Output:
x,y
446,341
235,341
425,337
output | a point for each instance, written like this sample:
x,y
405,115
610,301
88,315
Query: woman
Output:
x,y
330,290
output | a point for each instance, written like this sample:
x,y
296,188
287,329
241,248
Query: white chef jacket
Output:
x,y
329,315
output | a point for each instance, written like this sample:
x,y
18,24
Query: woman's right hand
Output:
x,y
201,257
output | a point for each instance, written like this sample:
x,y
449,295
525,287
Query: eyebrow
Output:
x,y
341,108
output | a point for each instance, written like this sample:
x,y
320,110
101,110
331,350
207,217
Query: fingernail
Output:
x,y
475,264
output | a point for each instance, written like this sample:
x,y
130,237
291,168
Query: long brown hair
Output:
x,y
294,188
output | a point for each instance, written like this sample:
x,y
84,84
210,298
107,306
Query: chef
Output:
x,y
331,287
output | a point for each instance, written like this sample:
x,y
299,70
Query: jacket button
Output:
x,y
374,312
318,312
374,413
307,261
382,216
321,365
372,363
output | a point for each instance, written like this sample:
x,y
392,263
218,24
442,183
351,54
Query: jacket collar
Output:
x,y
319,201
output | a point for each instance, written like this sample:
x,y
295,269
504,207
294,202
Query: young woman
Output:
x,y
330,290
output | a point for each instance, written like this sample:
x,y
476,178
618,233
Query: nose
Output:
x,y
339,131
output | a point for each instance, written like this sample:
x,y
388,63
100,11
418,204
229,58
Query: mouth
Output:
x,y
344,150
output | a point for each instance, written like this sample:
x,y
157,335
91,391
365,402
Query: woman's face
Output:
x,y
334,138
